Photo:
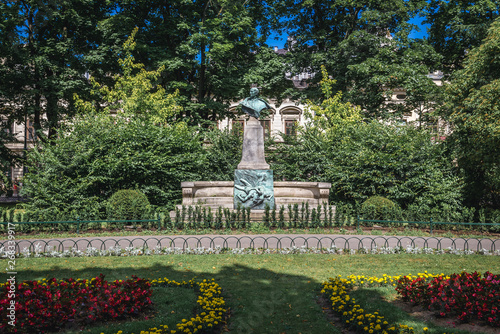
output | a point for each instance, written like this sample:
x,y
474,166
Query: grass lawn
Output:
x,y
266,293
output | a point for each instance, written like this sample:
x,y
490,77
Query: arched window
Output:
x,y
291,117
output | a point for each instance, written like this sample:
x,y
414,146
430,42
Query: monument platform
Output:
x,y
215,194
221,193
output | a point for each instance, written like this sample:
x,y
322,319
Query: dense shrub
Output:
x,y
378,207
128,204
75,174
223,153
402,163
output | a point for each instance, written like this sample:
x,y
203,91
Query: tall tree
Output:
x,y
7,157
472,105
363,44
44,50
457,26
209,48
134,93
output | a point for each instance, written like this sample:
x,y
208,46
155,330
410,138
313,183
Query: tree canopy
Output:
x,y
458,26
473,107
365,158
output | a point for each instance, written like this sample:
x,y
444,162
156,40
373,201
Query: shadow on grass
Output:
x,y
281,298
260,300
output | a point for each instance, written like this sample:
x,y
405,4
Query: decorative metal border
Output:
x,y
258,242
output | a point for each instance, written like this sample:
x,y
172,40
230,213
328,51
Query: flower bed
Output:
x,y
352,315
212,310
38,251
51,304
466,296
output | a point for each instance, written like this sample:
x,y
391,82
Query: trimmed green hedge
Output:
x,y
128,204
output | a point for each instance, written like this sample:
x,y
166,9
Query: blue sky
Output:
x,y
414,34
423,28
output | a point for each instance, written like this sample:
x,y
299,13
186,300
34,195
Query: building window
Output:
x,y
290,127
30,131
7,130
266,127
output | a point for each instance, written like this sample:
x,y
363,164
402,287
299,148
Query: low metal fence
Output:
x,y
432,224
344,242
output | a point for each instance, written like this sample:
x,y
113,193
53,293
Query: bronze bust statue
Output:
x,y
253,105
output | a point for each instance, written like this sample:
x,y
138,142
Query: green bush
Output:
x,y
402,163
128,204
378,208
98,155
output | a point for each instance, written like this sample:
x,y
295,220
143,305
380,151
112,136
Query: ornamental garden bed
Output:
x,y
98,306
464,302
259,228
420,312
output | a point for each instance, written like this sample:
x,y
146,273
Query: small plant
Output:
x,y
227,218
267,217
273,216
178,221
183,213
308,212
295,215
218,218
314,218
191,218
281,222
326,222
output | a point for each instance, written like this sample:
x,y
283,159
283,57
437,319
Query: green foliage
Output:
x,y
378,207
458,26
403,164
128,204
365,46
98,155
206,47
332,113
223,153
46,48
134,92
472,106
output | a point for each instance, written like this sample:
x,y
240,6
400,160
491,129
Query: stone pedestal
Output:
x,y
252,156
253,180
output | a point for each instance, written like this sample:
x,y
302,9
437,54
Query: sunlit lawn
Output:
x,y
266,293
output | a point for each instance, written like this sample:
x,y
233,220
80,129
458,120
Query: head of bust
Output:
x,y
254,91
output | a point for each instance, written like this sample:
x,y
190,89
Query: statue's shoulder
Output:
x,y
245,101
265,102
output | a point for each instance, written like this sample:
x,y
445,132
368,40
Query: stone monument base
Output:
x,y
217,194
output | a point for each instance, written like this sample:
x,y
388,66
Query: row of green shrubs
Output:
x,y
134,205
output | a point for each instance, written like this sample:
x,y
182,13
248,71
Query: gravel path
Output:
x,y
258,241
